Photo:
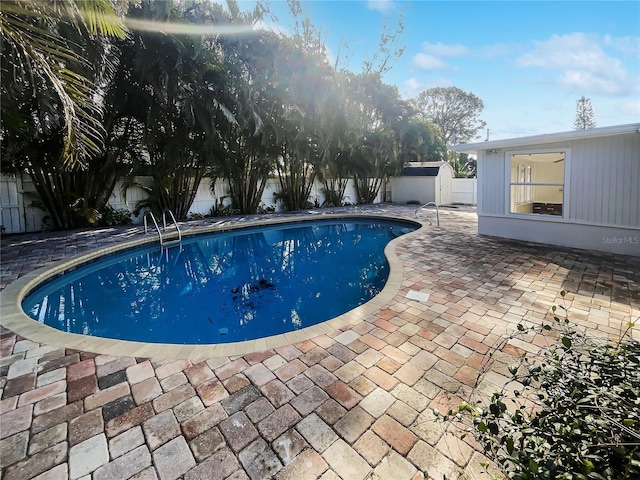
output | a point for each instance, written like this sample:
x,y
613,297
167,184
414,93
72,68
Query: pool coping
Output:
x,y
13,317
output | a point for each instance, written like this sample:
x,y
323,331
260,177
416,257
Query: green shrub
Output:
x,y
574,413
109,217
262,208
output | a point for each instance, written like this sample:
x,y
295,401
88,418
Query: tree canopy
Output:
x,y
194,89
54,59
585,118
454,111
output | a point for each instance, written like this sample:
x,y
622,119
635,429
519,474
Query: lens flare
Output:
x,y
187,28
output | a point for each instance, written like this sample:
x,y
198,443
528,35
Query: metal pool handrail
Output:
x,y
173,219
437,211
155,223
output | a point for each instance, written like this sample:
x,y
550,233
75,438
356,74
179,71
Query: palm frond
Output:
x,y
43,56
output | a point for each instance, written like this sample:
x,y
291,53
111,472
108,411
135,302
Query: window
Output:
x,y
537,183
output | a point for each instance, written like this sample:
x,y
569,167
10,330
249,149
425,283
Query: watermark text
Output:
x,y
622,240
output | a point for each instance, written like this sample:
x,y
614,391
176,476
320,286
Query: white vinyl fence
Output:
x,y
19,213
465,191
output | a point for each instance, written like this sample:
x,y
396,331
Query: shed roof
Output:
x,y
548,138
422,169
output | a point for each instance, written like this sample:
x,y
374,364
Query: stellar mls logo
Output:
x,y
621,240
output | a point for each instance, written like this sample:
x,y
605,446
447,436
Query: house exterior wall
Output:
x,y
601,196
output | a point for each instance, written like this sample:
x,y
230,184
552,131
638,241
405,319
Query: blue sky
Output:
x,y
528,61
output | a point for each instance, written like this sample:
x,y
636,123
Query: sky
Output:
x,y
528,61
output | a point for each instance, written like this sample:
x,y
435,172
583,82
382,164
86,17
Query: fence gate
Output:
x,y
11,204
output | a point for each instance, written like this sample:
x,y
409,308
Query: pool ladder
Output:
x,y
163,243
428,204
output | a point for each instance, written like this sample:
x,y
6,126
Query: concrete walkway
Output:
x,y
354,404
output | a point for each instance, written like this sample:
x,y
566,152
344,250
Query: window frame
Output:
x,y
526,191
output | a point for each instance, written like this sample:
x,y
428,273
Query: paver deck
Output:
x,y
353,404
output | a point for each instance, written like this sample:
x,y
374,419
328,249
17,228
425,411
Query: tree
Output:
x,y
383,118
247,157
57,57
456,113
47,84
584,114
463,166
421,142
305,80
177,82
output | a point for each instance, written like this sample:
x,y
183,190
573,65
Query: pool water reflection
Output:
x,y
223,287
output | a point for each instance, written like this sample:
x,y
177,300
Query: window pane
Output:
x,y
543,200
529,170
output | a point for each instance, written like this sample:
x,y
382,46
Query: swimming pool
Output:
x,y
223,287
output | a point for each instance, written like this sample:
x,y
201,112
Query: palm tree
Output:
x,y
178,83
44,72
303,128
383,118
249,149
57,58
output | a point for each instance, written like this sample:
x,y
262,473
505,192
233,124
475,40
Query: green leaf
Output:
x,y
510,445
566,341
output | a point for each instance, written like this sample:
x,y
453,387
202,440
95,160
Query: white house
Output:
x,y
576,189
423,182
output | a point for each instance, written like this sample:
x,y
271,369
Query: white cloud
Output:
x,y
627,45
383,6
432,55
496,50
443,50
428,62
582,63
411,88
631,107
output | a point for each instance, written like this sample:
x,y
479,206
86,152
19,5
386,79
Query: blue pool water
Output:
x,y
223,287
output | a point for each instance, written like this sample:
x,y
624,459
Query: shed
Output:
x,y
577,189
423,182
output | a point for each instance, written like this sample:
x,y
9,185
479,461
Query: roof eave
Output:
x,y
548,138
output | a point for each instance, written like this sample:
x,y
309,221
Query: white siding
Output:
x,y
408,189
601,196
602,181
605,181
492,184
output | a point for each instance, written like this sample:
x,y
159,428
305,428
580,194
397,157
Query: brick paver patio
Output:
x,y
354,404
